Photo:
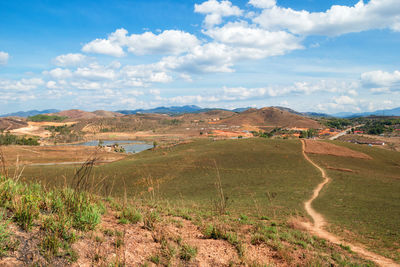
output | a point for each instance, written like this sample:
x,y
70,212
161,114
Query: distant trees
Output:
x,y
267,134
378,126
42,117
64,134
9,139
337,123
310,133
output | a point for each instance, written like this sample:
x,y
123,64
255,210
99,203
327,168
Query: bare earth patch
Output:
x,y
139,244
318,147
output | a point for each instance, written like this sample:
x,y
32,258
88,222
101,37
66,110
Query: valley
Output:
x,y
232,170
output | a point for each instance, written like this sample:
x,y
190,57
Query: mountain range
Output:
x,y
176,110
382,112
29,113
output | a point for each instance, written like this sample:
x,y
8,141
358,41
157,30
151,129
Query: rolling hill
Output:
x,y
107,114
11,124
262,178
270,117
164,110
80,114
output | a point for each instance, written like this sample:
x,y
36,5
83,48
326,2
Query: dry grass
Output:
x,y
55,154
318,147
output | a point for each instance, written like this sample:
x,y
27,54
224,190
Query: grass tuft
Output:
x,y
130,215
187,252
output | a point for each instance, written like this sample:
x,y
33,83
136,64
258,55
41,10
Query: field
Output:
x,y
249,170
32,155
261,178
363,201
323,148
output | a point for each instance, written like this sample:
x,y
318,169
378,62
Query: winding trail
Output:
x,y
317,228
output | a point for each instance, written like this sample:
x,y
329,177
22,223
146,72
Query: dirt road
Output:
x,y
344,132
317,228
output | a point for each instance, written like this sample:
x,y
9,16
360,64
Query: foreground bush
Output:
x,y
59,213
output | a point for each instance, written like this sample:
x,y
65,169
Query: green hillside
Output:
x,y
260,178
365,201
254,172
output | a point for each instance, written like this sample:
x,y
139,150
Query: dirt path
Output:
x,y
319,222
344,132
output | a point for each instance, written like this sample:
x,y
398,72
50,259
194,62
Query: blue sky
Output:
x,y
323,56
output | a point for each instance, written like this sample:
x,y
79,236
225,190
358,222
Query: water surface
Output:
x,y
129,146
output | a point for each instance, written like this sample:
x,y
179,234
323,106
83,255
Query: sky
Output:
x,y
310,55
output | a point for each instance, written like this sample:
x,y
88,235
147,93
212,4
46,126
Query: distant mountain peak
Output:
x,y
29,113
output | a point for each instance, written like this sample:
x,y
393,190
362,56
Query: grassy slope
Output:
x,y
186,174
54,227
366,201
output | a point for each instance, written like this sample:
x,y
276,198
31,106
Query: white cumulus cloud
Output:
x,y
253,42
59,73
69,60
379,80
338,20
20,85
262,3
167,42
105,47
344,100
216,10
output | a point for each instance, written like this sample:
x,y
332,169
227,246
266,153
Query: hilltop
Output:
x,y
107,114
12,123
271,116
80,114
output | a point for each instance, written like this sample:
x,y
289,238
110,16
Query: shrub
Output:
x,y
155,259
85,213
243,218
130,215
86,218
213,232
50,244
187,252
150,219
61,212
258,239
26,210
6,243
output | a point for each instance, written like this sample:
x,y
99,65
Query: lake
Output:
x,y
129,146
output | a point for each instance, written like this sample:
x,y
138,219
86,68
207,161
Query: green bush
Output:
x,y
6,242
26,206
87,217
187,252
10,139
130,215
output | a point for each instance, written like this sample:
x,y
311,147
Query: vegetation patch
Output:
x,y
58,215
363,205
49,118
10,139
